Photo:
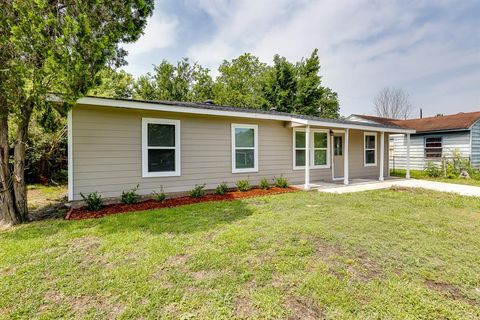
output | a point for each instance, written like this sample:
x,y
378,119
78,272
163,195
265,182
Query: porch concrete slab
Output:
x,y
407,183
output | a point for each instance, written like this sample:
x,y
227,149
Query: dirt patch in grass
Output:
x,y
303,309
449,290
83,213
244,308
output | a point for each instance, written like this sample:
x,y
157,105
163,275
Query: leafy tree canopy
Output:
x,y
53,46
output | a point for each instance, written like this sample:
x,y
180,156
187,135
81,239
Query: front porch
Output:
x,y
347,154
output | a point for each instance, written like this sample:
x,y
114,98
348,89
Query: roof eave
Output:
x,y
216,112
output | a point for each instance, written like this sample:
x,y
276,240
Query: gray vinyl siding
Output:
x,y
451,141
107,152
475,156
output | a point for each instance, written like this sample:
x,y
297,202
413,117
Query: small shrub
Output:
x,y
243,185
264,184
159,196
221,189
198,191
281,182
131,196
93,200
432,170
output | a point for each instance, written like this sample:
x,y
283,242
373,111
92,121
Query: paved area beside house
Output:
x,y
408,183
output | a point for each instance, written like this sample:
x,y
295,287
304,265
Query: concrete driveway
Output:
x,y
407,183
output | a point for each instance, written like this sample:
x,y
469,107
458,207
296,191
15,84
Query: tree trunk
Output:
x,y
8,211
13,192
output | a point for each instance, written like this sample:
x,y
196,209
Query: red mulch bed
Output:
x,y
83,213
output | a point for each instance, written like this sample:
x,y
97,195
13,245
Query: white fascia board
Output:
x,y
178,109
192,110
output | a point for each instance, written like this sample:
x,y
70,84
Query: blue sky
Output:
x,y
431,49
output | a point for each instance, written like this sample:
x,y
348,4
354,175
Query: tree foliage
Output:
x,y
185,81
240,81
52,46
393,103
113,84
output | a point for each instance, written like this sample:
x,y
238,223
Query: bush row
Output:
x,y
94,201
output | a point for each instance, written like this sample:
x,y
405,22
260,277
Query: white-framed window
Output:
x,y
369,149
244,148
433,147
160,147
319,148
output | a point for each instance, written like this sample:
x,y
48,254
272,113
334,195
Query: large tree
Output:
x,y
280,87
392,103
113,84
185,81
239,82
52,46
311,97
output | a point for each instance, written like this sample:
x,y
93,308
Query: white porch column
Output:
x,y
345,158
382,155
307,158
407,175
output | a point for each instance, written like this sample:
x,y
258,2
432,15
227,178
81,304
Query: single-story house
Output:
x,y
115,144
436,138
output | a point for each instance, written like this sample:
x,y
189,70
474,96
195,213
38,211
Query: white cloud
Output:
x,y
161,32
363,45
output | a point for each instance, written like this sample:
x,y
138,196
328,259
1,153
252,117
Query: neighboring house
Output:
x,y
436,138
115,144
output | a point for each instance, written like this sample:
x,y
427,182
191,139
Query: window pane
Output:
x,y
244,158
161,135
244,137
320,157
320,139
338,147
370,142
299,139
299,158
369,156
161,160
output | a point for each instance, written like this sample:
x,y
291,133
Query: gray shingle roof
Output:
x,y
211,106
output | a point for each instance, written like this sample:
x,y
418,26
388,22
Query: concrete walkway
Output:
x,y
411,183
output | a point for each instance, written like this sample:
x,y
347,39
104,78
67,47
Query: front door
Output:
x,y
337,155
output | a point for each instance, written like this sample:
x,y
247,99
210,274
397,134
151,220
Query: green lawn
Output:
x,y
419,174
395,254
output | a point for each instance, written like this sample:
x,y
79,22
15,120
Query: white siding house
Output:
x,y
436,139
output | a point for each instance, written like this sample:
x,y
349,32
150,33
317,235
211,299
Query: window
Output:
x,y
370,149
244,148
160,147
320,149
433,147
319,146
299,139
337,146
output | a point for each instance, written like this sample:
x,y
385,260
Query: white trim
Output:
x,y
255,147
365,164
311,149
145,148
70,153
345,157
250,115
307,158
382,156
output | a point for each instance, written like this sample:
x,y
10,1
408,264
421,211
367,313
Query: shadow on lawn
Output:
x,y
178,220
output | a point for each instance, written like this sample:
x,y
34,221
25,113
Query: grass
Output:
x,y
395,254
419,174
40,196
